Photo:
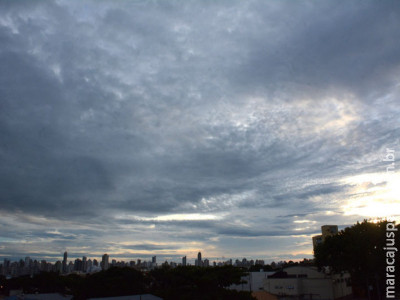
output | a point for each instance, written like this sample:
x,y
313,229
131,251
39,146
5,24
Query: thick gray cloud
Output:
x,y
140,128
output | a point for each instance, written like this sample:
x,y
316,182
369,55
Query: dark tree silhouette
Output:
x,y
198,283
359,250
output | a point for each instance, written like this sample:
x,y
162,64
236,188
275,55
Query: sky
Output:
x,y
234,128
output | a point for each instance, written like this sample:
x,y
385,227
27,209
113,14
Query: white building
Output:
x,y
253,282
308,283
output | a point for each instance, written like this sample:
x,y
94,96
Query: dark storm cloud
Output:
x,y
223,116
345,47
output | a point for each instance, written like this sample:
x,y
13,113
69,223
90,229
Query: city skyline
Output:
x,y
84,265
234,128
106,261
71,257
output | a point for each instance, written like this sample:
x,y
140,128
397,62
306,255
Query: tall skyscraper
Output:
x,y
184,261
104,262
199,261
64,263
154,260
84,264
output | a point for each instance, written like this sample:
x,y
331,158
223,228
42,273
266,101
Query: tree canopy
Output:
x,y
169,283
198,283
360,250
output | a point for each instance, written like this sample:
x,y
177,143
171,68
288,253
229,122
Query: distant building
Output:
x,y
84,263
43,265
6,267
153,262
70,267
206,263
105,262
89,264
78,265
184,261
316,240
28,261
199,262
327,230
64,262
58,266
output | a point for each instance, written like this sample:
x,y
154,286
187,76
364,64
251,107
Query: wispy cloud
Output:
x,y
199,125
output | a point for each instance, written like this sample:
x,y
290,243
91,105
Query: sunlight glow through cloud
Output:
x,y
375,195
236,128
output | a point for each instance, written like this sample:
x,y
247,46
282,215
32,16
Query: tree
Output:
x,y
112,282
197,283
359,249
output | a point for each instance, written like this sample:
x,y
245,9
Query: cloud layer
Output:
x,y
153,128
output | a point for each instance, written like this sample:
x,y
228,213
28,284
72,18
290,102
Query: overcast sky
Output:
x,y
235,128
